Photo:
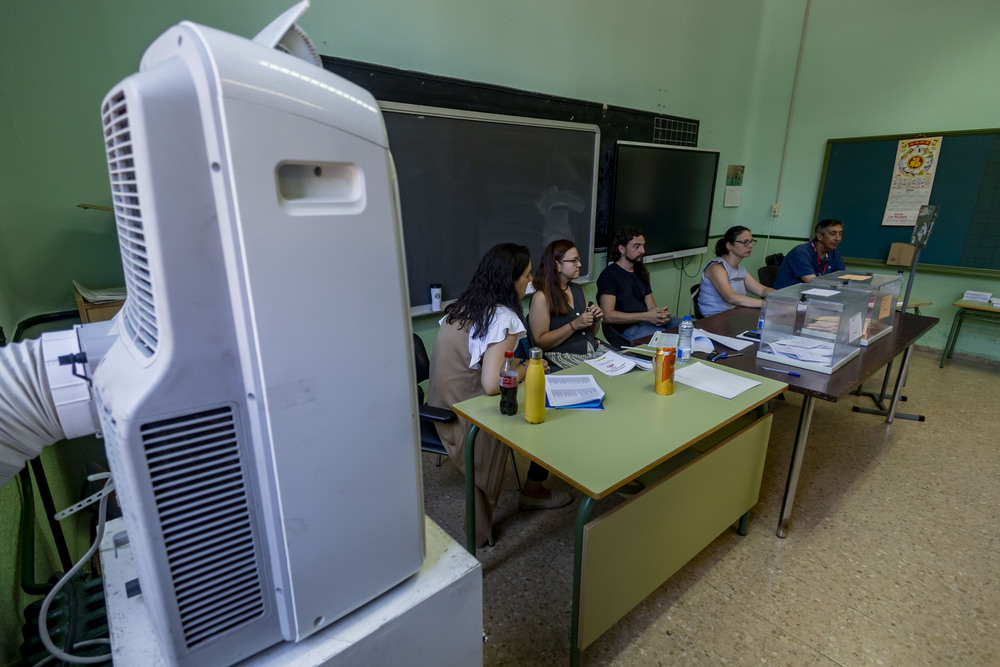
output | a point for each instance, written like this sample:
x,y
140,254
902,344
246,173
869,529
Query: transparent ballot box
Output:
x,y
883,294
813,327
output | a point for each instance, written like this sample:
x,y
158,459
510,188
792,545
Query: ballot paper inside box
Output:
x,y
815,327
883,294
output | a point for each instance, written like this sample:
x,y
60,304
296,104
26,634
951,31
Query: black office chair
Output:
x,y
767,273
613,338
695,291
429,440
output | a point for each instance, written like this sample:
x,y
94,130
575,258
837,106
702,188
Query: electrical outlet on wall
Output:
x,y
775,210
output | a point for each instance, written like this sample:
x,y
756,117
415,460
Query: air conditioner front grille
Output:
x,y
139,314
202,497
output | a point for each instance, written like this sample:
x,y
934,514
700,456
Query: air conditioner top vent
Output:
x,y
139,314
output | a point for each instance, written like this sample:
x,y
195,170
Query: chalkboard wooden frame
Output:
x,y
855,183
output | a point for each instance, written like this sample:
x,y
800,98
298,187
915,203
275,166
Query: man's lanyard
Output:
x,y
826,262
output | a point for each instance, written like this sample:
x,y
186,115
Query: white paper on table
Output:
x,y
818,291
713,379
730,342
563,390
612,363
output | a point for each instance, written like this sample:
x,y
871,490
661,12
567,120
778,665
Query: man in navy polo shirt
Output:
x,y
819,256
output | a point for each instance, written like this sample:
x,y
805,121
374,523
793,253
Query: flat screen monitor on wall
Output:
x,y
667,192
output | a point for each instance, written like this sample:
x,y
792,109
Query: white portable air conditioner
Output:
x,y
256,395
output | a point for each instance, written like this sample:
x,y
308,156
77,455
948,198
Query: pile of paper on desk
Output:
x,y
973,295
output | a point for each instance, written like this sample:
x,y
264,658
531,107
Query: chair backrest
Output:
x,y
614,339
695,291
421,364
767,274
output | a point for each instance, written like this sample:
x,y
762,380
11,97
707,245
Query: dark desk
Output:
x,y
907,328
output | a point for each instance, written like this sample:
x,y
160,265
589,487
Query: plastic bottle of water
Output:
x,y
685,340
760,320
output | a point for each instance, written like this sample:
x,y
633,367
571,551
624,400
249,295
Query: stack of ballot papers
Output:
x,y
973,295
576,392
805,349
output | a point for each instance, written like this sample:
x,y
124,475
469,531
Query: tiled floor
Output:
x,y
891,556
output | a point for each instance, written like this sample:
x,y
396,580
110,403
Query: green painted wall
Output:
x,y
868,69
892,67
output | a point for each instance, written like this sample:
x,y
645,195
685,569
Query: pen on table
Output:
x,y
778,370
725,356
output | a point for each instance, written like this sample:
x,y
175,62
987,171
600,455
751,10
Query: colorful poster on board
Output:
x,y
912,180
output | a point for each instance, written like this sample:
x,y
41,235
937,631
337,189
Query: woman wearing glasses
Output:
x,y
562,323
724,283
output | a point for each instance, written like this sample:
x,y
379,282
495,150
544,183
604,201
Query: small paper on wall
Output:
x,y
734,184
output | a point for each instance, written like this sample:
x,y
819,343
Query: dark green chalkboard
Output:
x,y
855,186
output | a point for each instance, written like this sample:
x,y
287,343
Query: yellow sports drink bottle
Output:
x,y
534,388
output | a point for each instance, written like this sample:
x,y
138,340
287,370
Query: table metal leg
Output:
x,y
744,526
470,489
899,387
883,411
949,346
876,398
798,451
582,517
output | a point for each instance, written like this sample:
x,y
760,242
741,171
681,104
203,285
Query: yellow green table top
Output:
x,y
598,450
977,305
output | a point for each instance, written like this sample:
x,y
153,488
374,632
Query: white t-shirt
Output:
x,y
505,321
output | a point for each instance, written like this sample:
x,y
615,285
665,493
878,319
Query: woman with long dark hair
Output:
x,y
562,323
724,283
476,330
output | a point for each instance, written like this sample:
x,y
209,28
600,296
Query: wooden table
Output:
x,y
972,310
907,328
700,457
